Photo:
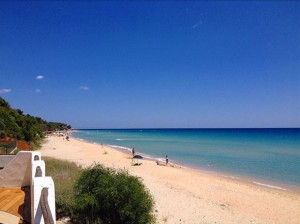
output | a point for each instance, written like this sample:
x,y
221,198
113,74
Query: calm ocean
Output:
x,y
269,157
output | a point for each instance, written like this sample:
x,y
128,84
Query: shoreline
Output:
x,y
187,195
245,179
232,176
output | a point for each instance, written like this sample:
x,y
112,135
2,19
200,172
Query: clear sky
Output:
x,y
153,64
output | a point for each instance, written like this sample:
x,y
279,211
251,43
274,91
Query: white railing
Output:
x,y
27,169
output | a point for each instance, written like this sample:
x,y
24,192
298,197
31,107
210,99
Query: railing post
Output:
x,y
42,193
48,218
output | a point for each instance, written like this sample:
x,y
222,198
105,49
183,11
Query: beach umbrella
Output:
x,y
138,157
135,160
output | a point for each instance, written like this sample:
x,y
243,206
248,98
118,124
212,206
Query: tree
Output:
x,y
106,195
9,127
14,124
4,104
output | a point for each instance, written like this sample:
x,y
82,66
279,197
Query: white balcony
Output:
x,y
26,194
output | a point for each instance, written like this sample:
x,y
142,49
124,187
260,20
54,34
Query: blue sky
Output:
x,y
153,64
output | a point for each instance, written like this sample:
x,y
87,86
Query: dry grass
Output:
x,y
64,175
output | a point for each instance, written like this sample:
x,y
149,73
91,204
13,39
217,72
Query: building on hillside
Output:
x,y
8,146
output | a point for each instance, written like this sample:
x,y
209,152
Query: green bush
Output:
x,y
105,195
65,175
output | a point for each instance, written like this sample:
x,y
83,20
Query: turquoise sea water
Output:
x,y
269,157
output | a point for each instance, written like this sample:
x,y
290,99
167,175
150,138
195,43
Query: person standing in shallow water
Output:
x,y
133,152
167,160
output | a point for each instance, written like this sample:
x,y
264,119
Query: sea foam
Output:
x,y
269,186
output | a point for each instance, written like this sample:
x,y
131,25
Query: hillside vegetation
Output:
x,y
16,125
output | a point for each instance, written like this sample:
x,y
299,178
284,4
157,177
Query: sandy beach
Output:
x,y
185,195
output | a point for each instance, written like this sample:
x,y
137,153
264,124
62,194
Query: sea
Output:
x,y
269,157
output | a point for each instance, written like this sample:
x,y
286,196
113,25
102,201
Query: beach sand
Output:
x,y
185,195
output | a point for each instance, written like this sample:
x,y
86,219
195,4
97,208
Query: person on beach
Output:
x,y
133,152
167,160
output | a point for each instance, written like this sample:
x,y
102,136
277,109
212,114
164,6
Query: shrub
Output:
x,y
105,195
